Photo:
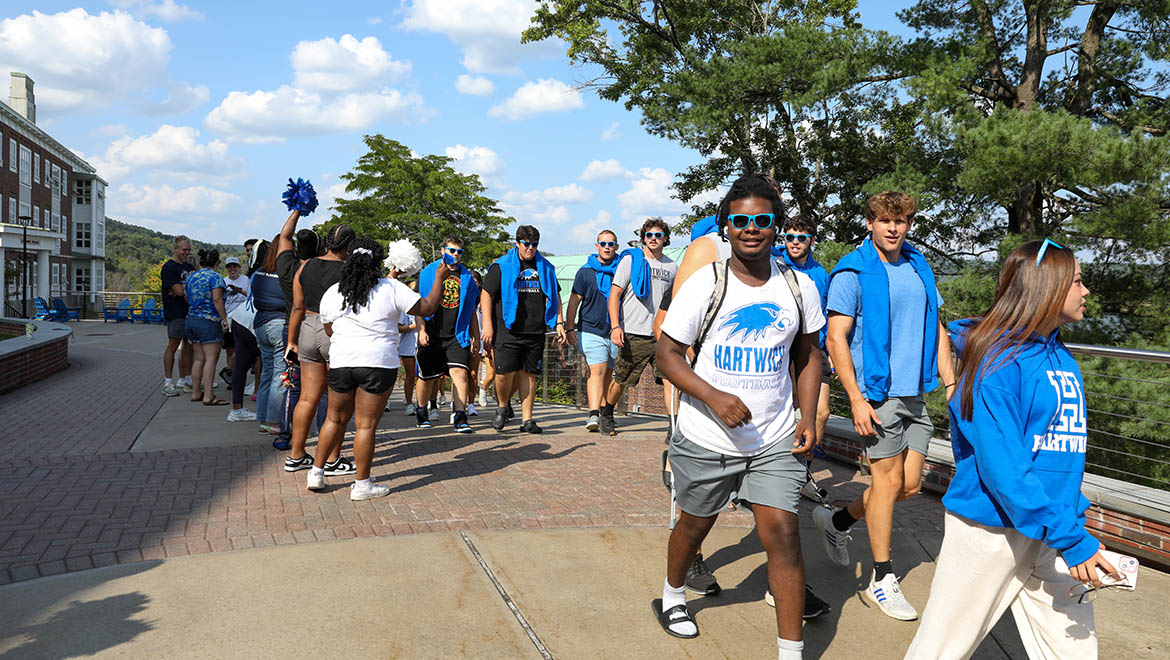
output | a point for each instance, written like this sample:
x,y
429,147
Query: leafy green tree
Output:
x,y
397,194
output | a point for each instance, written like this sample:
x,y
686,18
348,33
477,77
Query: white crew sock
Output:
x,y
672,597
361,484
316,471
186,380
169,382
790,650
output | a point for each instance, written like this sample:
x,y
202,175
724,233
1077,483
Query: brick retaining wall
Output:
x,y
41,358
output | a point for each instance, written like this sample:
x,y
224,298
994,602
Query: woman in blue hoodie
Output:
x,y
1015,523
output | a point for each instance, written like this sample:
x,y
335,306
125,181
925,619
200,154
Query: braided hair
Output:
x,y
361,273
751,185
339,238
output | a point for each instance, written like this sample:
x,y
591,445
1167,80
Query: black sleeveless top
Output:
x,y
317,276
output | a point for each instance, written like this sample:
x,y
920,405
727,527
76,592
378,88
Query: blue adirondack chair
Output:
x,y
44,312
65,313
119,313
151,313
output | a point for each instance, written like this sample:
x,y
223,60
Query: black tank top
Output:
x,y
316,277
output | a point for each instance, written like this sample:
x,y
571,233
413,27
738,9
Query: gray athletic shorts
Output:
x,y
905,424
313,343
704,480
177,328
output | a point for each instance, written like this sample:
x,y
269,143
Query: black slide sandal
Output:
x,y
666,618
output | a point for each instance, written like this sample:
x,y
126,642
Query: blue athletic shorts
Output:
x,y
203,331
597,349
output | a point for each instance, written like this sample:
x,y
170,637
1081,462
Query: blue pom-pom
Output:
x,y
300,196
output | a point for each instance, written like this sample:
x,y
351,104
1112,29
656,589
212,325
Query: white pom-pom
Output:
x,y
403,257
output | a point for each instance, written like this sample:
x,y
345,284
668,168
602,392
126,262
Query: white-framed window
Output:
x,y
12,211
26,210
46,221
55,280
81,280
25,166
63,184
13,154
82,231
56,178
64,228
36,221
47,180
56,222
37,168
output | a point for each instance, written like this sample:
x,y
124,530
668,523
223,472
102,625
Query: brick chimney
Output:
x,y
20,97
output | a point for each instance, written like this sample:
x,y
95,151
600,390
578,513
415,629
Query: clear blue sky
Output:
x,y
197,112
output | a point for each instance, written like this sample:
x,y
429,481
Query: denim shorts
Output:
x,y
597,349
203,331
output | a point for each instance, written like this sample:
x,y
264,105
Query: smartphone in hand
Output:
x,y
292,358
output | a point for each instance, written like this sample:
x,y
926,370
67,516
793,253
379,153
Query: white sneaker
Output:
x,y
241,415
887,595
357,493
482,399
389,406
836,543
811,491
409,409
315,482
442,399
471,412
171,390
433,414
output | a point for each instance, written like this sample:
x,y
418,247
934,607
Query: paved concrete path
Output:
x,y
134,526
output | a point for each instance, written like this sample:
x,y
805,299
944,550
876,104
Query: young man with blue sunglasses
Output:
x,y
591,288
889,349
643,276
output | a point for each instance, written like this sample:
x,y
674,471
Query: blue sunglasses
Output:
x,y
760,220
1044,248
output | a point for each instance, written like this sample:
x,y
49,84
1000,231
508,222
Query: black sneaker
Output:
x,y
511,413
340,467
294,464
700,579
226,375
460,422
607,425
500,419
814,606
529,426
422,420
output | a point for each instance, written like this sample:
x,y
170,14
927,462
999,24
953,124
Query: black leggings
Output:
x,y
246,353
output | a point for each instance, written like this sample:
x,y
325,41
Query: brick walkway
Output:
x,y
74,497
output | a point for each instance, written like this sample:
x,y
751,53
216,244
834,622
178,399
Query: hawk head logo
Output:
x,y
752,320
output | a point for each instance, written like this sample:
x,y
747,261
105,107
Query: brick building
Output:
x,y
62,199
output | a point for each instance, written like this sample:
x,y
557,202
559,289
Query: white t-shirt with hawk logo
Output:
x,y
745,353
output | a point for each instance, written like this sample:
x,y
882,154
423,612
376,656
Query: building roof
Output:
x,y
65,154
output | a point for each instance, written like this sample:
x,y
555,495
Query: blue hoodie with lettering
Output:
x,y
1020,459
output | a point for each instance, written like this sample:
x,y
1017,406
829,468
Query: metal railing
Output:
x,y
1127,393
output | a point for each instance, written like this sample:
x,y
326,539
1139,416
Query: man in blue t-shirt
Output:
x,y
889,349
590,294
800,235
174,303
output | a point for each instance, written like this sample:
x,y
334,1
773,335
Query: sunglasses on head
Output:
x,y
654,234
455,250
529,243
797,238
1044,248
760,220
606,243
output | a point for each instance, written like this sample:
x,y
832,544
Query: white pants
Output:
x,y
980,572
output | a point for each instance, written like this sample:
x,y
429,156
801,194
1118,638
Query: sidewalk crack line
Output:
x,y
540,647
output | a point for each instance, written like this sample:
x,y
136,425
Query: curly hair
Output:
x,y
890,203
340,237
361,273
652,223
751,185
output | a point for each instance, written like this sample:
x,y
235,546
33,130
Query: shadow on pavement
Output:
x,y
477,462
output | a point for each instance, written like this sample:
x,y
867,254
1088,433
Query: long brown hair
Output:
x,y
1028,301
269,265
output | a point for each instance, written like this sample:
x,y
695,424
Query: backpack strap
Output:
x,y
793,286
719,292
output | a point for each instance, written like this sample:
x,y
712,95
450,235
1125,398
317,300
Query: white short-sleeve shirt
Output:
x,y
745,353
367,337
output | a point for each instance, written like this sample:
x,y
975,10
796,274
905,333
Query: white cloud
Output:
x,y
535,98
181,97
167,10
109,130
147,201
273,116
475,160
651,194
604,170
488,31
570,194
79,60
587,232
551,214
374,20
171,151
474,85
331,65
611,132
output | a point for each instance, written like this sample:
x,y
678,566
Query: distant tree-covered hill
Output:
x,y
134,254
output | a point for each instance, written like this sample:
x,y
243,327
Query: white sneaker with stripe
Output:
x,y
887,595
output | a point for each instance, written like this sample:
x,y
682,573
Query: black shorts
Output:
x,y
519,352
439,355
374,380
228,340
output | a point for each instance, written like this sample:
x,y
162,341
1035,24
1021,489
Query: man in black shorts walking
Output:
x,y
521,300
447,338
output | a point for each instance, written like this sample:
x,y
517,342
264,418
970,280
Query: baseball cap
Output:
x,y
231,260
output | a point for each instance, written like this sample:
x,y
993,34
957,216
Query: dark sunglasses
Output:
x,y
760,220
796,238
529,243
654,234
606,243
455,250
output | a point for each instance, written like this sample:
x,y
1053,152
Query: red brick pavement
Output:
x,y
73,497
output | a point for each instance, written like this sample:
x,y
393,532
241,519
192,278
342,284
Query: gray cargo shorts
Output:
x,y
905,425
704,480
